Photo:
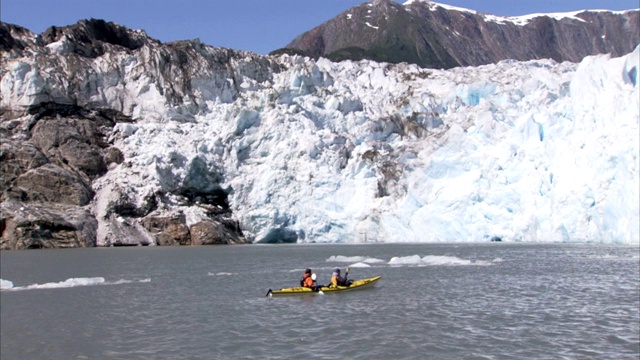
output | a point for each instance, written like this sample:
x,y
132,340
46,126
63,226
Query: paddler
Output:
x,y
337,280
307,280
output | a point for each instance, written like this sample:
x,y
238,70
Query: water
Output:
x,y
489,301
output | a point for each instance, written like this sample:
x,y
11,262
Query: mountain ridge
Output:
x,y
440,36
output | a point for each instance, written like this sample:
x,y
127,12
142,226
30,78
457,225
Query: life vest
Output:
x,y
307,281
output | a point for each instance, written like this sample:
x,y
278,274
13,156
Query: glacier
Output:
x,y
366,152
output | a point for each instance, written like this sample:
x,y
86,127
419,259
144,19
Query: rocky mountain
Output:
x,y
112,138
63,92
438,36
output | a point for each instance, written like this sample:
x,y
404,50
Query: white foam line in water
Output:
x,y
221,274
7,285
614,257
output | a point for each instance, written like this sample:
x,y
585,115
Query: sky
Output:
x,y
260,26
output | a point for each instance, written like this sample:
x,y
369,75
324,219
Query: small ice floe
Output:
x,y
69,283
352,259
5,284
435,260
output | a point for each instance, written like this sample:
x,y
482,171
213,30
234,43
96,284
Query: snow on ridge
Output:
x,y
525,19
371,26
517,20
433,5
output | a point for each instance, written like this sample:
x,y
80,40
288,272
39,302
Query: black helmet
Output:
x,y
308,271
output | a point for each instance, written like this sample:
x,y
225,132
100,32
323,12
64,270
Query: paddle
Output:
x,y
316,287
346,274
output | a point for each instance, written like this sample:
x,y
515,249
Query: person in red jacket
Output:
x,y
307,280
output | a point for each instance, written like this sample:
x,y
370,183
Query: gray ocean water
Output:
x,y
484,301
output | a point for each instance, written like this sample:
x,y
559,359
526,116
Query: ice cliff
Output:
x,y
289,149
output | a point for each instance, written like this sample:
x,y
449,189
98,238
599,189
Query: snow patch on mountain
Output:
x,y
517,20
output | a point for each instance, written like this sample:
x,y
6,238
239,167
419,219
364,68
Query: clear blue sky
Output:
x,y
255,25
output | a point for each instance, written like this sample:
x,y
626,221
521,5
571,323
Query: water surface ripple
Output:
x,y
487,301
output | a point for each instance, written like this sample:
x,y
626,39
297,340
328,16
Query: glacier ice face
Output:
x,y
316,151
533,151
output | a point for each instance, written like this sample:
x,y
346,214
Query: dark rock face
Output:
x,y
51,156
38,225
434,37
11,37
168,230
216,233
92,38
56,142
51,183
48,160
76,142
16,158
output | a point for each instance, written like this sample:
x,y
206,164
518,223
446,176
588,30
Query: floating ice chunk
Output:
x,y
436,260
360,265
5,284
358,261
374,261
405,260
69,283
72,282
452,260
340,258
444,260
125,281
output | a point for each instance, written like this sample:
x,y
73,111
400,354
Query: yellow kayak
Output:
x,y
355,285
